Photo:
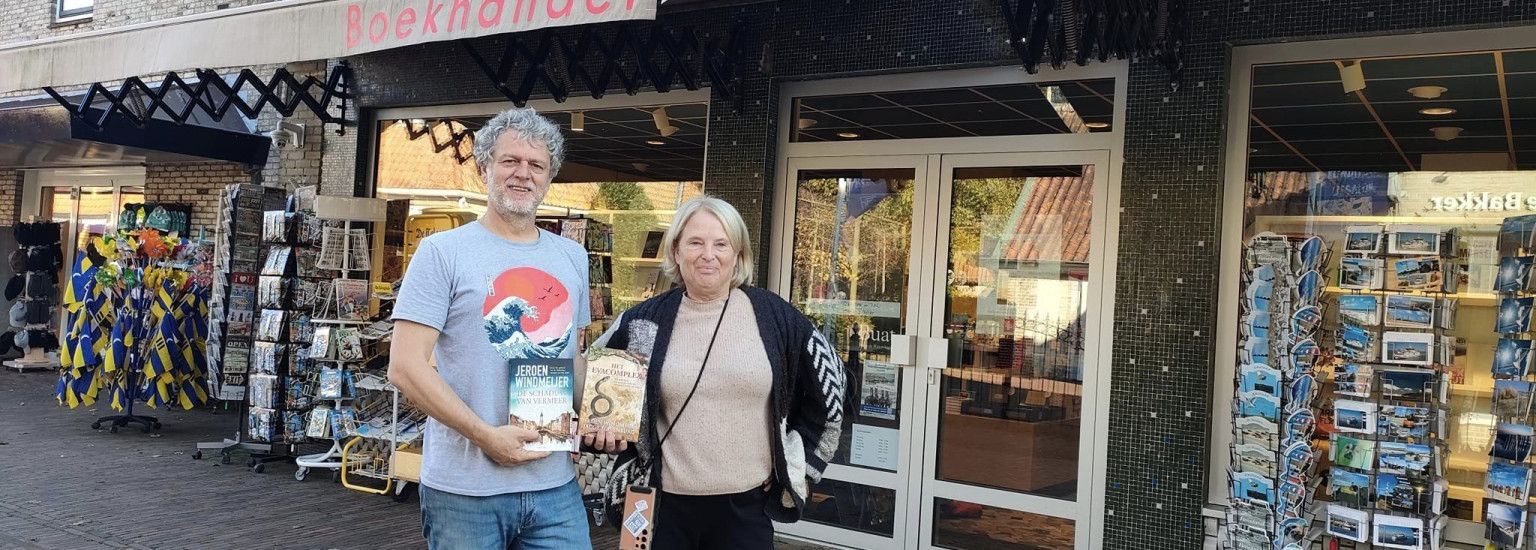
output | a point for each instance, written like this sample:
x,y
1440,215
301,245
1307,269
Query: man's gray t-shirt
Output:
x,y
455,280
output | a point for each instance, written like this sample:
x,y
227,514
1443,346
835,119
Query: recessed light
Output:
x,y
805,123
578,121
847,135
655,142
1427,92
1437,111
1096,125
1446,133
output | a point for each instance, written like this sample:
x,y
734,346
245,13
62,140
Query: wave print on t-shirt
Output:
x,y
528,315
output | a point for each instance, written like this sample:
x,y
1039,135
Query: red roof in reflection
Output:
x,y
1053,221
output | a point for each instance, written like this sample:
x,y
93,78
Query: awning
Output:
x,y
38,133
286,31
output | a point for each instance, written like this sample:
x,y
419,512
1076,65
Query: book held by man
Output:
x,y
613,394
541,400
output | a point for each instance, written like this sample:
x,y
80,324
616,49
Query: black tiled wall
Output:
x,y
1171,185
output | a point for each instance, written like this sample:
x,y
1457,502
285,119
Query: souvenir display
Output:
x,y
1390,348
1273,458
33,291
1508,483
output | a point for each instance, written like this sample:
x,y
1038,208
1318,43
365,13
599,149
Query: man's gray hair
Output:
x,y
526,124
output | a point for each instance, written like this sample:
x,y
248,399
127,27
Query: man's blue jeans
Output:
x,y
552,519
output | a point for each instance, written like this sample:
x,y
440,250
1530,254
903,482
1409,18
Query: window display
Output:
x,y
1416,389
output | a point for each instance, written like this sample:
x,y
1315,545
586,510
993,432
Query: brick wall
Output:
x,y
10,197
23,20
196,184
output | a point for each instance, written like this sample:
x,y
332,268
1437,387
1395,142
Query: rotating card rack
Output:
x,y
1273,461
1506,511
1391,316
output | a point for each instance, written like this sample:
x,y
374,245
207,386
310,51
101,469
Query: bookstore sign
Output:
x,y
1466,193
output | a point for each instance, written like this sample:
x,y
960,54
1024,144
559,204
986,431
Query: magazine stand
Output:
x,y
340,251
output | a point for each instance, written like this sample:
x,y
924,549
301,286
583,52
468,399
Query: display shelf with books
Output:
x,y
1508,486
1274,461
597,238
1386,407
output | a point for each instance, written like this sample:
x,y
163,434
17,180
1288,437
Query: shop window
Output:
x,y
627,168
1443,145
1072,107
73,10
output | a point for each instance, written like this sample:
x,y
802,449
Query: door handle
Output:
x,y
935,353
903,349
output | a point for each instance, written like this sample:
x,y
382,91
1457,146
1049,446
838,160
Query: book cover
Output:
x,y
352,299
613,393
541,399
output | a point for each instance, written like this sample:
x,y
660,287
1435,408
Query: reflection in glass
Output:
x,y
969,526
1075,107
852,244
853,506
1014,316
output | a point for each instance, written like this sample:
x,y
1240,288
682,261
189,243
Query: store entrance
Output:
x,y
963,292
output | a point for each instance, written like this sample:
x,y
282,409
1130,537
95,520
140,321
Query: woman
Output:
x,y
744,397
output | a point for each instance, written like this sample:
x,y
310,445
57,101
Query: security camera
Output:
x,y
287,136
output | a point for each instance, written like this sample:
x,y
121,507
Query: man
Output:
x,y
480,487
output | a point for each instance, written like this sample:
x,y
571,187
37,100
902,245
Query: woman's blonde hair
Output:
x,y
735,231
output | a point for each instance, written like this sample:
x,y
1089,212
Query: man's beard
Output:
x,y
501,200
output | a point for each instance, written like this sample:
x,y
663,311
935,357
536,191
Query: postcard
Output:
x,y
1354,416
1421,273
1407,384
1293,531
1298,458
1255,350
1251,486
1259,404
1357,343
1250,516
1514,274
1255,325
1257,430
1362,238
1410,312
1512,442
1258,295
1349,488
1407,348
1308,255
1512,399
1361,273
1447,318
1413,459
1402,422
1298,426
1353,453
1508,483
1413,239
1512,358
1353,379
1393,492
1302,389
1259,378
1308,287
1360,309
1303,357
1398,532
1289,498
1514,315
1446,351
1305,320
1504,524
1348,523
1254,458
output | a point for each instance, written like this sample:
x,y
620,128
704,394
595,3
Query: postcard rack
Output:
x,y
1508,485
1273,461
1391,346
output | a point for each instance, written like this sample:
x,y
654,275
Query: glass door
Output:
x,y
853,265
1010,426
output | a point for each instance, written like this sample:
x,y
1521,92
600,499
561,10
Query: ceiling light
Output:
x,y
663,122
1427,92
847,135
418,121
1352,76
1446,133
655,142
805,123
1097,125
1437,111
578,121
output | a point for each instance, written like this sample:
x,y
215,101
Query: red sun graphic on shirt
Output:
x,y
528,314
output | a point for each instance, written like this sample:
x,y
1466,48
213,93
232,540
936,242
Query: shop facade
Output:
x,y
1037,275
